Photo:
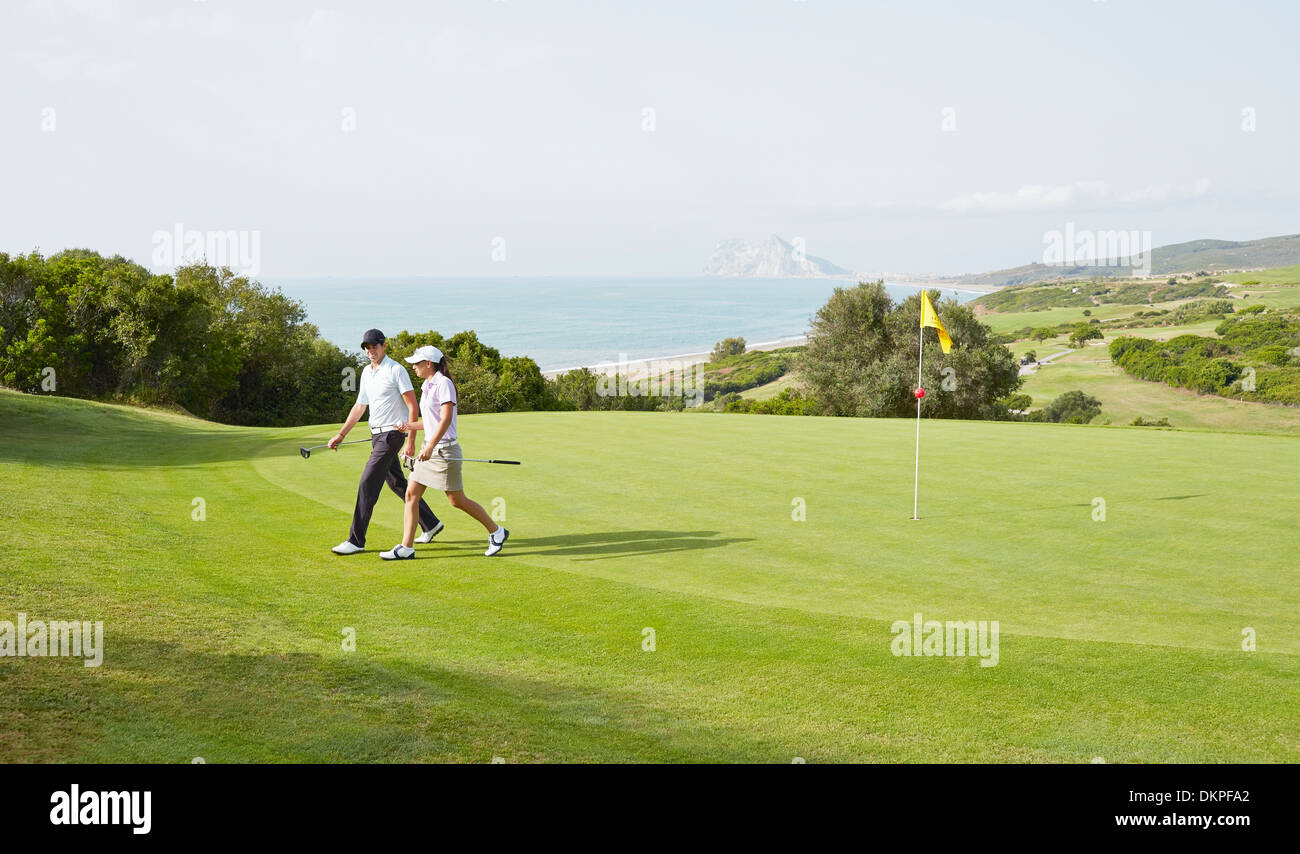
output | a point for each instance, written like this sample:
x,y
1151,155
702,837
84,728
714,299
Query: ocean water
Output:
x,y
569,322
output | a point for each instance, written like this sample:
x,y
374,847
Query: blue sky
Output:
x,y
526,123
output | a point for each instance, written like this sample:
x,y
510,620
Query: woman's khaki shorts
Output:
x,y
442,470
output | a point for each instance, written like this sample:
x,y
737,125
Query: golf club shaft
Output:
x,y
326,445
412,460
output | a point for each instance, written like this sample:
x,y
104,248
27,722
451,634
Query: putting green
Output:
x,y
1119,638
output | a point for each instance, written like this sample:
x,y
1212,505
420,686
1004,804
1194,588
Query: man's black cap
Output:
x,y
372,336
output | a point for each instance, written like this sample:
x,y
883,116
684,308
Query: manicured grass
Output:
x,y
1119,639
1278,289
1124,398
1013,321
1276,276
767,391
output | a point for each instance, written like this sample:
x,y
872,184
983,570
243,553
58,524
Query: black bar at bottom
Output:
x,y
336,802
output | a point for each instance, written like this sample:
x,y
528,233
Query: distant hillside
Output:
x,y
1190,257
770,258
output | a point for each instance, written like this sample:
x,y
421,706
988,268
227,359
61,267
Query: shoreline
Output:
x,y
634,367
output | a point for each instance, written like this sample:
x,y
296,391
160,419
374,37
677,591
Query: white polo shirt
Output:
x,y
436,391
382,388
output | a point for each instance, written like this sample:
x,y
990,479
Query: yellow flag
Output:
x,y
929,318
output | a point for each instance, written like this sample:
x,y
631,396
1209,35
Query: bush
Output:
x,y
1216,374
1015,403
1072,407
728,347
739,373
1263,344
1143,422
1273,354
860,358
788,402
1084,332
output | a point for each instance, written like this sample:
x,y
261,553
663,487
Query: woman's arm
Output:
x,y
443,423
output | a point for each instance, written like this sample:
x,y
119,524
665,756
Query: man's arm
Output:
x,y
414,409
358,410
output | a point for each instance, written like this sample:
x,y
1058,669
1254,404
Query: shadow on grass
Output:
x,y
600,546
160,702
1020,511
49,430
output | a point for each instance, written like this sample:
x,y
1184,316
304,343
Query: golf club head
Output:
x,y
305,453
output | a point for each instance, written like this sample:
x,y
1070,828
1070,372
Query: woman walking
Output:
x,y
438,463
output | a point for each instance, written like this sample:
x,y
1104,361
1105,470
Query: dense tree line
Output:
x,y
229,349
216,344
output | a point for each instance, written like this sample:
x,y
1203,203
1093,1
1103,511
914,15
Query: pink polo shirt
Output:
x,y
436,391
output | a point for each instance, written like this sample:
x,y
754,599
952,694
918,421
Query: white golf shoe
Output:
x,y
496,540
347,548
398,552
427,536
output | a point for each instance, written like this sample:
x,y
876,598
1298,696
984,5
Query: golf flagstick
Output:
x,y
920,393
929,317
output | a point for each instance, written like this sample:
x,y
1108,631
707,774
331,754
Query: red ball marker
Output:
x,y
918,393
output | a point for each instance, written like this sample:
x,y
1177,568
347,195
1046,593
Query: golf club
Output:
x,y
306,452
408,463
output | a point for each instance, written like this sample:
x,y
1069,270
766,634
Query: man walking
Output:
x,y
386,389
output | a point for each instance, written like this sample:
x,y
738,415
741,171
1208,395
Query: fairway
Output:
x,y
1120,639
1124,398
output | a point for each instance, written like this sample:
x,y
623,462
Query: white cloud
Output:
x,y
1080,194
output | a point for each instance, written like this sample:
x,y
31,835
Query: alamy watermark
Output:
x,y
93,807
37,639
655,378
1083,248
240,251
952,638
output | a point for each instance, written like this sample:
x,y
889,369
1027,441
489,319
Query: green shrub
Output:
x,y
1272,354
1084,332
749,370
728,347
1072,407
788,402
1262,344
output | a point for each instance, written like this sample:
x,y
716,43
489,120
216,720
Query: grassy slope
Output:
x,y
1276,276
1120,638
1278,289
1124,398
767,391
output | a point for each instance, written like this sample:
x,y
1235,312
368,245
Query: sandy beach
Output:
x,y
633,368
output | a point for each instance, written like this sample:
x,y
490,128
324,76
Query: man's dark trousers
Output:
x,y
383,467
